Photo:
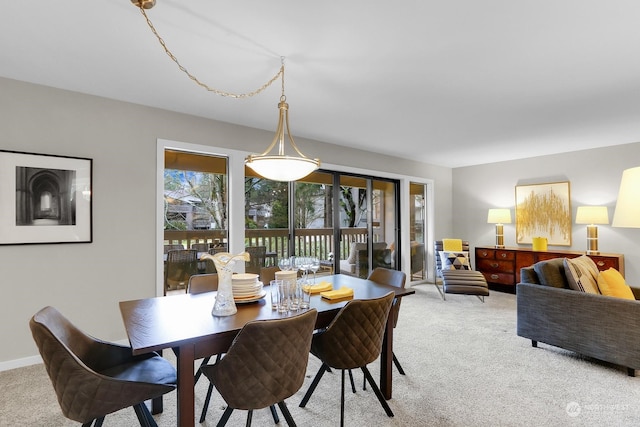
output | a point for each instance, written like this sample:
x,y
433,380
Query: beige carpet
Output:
x,y
465,367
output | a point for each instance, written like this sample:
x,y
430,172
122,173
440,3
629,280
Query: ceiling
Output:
x,y
450,83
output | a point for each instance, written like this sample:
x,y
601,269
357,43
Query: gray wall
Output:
x,y
594,177
86,281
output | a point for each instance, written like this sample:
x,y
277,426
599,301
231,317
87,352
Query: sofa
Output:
x,y
602,327
357,263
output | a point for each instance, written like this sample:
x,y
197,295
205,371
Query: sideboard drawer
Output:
x,y
495,265
499,278
485,253
605,263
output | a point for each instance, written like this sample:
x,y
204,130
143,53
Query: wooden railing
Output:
x,y
316,242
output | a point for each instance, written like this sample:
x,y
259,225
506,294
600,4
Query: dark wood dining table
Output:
x,y
184,323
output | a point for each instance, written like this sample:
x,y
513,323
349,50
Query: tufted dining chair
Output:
x,y
265,365
352,340
94,378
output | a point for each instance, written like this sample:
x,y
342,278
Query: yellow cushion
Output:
x,y
454,245
612,283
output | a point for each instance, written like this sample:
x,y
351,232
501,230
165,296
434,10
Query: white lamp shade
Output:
x,y
282,168
592,215
627,213
499,216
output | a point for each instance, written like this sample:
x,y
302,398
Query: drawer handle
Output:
x,y
484,253
495,276
601,263
495,265
503,255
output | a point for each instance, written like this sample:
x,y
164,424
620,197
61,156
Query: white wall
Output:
x,y
86,281
594,179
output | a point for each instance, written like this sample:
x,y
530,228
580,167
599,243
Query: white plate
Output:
x,y
248,300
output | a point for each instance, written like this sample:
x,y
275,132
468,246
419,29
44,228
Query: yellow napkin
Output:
x,y
343,292
452,244
320,287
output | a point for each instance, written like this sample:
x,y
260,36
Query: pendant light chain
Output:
x,y
204,85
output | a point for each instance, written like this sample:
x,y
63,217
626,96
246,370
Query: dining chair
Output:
x,y
94,378
198,284
267,274
265,365
257,259
352,340
181,264
396,279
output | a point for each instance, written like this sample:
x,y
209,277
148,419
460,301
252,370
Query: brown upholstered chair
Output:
x,y
397,279
352,340
198,284
94,378
265,365
181,264
267,274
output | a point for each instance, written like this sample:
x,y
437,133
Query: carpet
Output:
x,y
465,366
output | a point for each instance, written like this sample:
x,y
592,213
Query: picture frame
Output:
x,y
45,198
544,210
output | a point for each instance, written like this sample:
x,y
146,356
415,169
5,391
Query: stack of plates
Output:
x,y
246,287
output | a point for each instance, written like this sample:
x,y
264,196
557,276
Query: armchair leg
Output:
x,y
144,416
397,363
225,417
377,391
313,385
205,407
274,413
286,414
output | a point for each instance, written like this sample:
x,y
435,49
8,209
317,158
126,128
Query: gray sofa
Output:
x,y
597,326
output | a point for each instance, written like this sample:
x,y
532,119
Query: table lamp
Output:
x,y
592,215
627,213
499,217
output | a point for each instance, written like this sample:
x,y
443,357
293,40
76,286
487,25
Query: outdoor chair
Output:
x,y
180,265
257,259
198,284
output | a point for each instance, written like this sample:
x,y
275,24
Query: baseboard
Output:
x,y
20,363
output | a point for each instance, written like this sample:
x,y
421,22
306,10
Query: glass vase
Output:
x,y
224,304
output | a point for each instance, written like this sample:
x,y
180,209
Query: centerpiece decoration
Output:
x,y
224,304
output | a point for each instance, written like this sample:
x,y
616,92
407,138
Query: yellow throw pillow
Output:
x,y
612,283
454,245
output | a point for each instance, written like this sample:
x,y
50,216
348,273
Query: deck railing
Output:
x,y
316,242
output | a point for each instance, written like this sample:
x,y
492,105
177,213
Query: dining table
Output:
x,y
184,323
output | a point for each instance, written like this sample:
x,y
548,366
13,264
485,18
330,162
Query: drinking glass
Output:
x,y
285,264
314,265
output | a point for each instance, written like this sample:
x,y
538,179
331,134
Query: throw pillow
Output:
x,y
352,254
455,260
551,273
611,283
452,244
582,274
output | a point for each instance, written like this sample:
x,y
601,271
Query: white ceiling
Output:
x,y
448,82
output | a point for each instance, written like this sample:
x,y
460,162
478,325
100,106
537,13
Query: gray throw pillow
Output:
x,y
551,273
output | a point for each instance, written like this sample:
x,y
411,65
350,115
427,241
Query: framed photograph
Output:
x,y
543,210
45,199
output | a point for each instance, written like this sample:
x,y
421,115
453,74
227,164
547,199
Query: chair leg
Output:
x,y
377,391
249,417
205,361
353,385
225,417
313,385
205,407
98,422
144,416
286,414
397,363
342,400
274,413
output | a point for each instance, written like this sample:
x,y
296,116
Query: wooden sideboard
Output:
x,y
501,266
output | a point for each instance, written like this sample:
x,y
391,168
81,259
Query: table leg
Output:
x,y
386,359
186,404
